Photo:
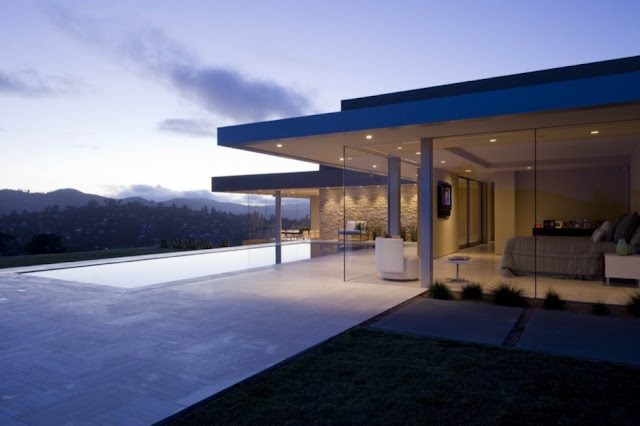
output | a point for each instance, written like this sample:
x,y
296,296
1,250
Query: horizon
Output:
x,y
121,100
244,199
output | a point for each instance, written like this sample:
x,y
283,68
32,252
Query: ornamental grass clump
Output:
x,y
506,295
600,309
440,290
633,304
552,300
471,291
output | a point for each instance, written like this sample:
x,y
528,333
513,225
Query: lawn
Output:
x,y
43,259
367,376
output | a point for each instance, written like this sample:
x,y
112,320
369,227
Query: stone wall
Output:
x,y
368,203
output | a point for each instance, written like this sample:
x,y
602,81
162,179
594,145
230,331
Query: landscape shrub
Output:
x,y
507,295
471,291
178,243
633,304
440,290
600,308
552,300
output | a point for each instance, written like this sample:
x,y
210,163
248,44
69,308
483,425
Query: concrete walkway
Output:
x,y
562,333
76,353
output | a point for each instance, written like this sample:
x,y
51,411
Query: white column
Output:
x,y
278,196
426,211
393,199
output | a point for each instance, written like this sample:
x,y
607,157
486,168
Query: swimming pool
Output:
x,y
140,273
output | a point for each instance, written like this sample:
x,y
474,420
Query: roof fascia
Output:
x,y
570,94
573,72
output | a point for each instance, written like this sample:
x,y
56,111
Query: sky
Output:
x,y
124,98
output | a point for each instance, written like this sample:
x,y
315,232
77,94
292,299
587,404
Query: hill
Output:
x,y
23,201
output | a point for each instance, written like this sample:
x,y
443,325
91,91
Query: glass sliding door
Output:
x,y
469,212
463,212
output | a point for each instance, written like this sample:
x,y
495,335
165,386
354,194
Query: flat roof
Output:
x,y
600,84
573,72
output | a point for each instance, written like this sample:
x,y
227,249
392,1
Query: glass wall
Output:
x,y
364,205
491,204
555,203
585,181
524,208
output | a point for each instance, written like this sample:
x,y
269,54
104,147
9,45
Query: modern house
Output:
x,y
516,170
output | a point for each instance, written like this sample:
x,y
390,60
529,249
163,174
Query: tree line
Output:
x,y
115,225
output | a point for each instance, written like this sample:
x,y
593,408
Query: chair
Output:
x,y
354,227
392,263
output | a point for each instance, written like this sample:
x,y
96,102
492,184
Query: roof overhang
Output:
x,y
550,101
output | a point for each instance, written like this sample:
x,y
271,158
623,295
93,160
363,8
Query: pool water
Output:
x,y
141,273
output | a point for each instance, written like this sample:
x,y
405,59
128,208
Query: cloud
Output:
x,y
223,91
83,146
160,194
156,193
187,127
32,83
227,93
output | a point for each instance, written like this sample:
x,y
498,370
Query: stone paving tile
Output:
x,y
9,421
88,355
22,392
464,321
141,411
583,336
84,406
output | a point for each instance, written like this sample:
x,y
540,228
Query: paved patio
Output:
x,y
86,354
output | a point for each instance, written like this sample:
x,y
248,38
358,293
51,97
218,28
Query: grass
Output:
x,y
43,259
373,377
440,290
552,300
507,295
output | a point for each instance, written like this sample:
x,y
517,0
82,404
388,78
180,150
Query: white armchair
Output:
x,y
392,263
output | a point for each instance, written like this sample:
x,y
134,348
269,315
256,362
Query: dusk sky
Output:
x,y
123,97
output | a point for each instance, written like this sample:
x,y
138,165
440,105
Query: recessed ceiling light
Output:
x,y
399,147
595,132
418,152
442,161
349,158
528,167
492,140
341,159
375,165
468,171
369,136
279,145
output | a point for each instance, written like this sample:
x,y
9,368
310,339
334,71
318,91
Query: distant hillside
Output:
x,y
19,201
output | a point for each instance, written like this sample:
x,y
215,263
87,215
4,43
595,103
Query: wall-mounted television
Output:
x,y
444,199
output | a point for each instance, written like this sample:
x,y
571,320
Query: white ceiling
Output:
x,y
564,140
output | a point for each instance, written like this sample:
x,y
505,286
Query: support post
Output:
x,y
278,196
426,211
393,191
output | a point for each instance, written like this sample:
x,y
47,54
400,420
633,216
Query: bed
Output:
x,y
571,256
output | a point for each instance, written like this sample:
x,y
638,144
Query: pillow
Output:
x,y
351,225
635,239
608,230
626,227
598,235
